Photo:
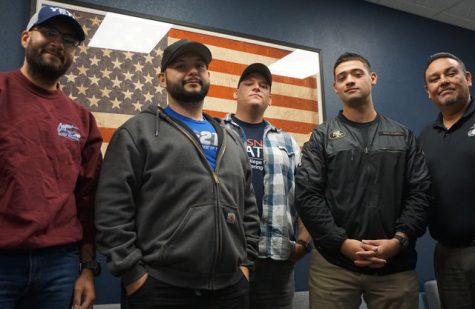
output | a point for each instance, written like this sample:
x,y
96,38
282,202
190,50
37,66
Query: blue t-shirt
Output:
x,y
205,132
254,145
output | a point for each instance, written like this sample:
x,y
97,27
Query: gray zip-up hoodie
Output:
x,y
160,208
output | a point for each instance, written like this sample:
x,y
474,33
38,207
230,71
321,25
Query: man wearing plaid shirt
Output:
x,y
273,155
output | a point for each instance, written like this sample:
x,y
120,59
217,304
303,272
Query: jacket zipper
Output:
x,y
215,176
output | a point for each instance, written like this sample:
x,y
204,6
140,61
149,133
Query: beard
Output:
x,y
180,94
44,70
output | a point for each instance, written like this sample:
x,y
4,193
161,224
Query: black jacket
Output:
x,y
363,181
161,209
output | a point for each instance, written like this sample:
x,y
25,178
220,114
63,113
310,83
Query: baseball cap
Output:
x,y
182,46
48,12
258,68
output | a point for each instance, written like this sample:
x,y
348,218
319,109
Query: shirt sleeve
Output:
x,y
86,185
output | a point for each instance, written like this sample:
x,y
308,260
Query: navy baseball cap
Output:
x,y
257,68
182,46
48,12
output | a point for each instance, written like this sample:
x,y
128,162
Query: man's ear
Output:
x,y
468,77
374,78
25,37
427,91
235,96
162,79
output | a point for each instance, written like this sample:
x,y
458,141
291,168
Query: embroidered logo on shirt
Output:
x,y
69,131
337,134
471,131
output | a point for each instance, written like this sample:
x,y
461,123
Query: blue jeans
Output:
x,y
40,278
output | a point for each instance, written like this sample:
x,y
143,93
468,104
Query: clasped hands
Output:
x,y
370,253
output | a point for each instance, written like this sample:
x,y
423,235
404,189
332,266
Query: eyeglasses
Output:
x,y
54,34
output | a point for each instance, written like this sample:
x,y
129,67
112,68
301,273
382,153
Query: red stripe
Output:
x,y
229,43
222,92
227,67
106,133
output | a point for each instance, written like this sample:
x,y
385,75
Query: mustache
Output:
x,y
193,80
55,52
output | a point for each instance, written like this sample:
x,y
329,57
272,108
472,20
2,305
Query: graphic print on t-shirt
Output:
x,y
205,132
254,151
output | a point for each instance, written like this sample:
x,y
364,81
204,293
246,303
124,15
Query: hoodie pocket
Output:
x,y
192,245
233,245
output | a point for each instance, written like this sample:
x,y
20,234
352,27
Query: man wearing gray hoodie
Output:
x,y
176,213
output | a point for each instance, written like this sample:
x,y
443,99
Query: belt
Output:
x,y
463,244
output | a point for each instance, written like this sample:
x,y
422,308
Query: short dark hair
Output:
x,y
440,55
350,57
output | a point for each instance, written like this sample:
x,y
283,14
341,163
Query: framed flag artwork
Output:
x,y
115,70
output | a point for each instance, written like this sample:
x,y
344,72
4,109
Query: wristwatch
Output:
x,y
305,244
403,241
92,265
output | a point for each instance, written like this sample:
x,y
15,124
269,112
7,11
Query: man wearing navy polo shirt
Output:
x,y
449,147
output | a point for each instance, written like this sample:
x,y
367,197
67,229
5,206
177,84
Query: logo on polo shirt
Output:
x,y
471,131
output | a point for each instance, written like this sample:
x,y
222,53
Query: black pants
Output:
x,y
156,294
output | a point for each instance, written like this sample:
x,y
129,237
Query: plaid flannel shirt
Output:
x,y
279,221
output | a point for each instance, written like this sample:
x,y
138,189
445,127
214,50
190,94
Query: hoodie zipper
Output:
x,y
215,176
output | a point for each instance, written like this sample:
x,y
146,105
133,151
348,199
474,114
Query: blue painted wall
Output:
x,y
396,44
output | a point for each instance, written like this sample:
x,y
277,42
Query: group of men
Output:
x,y
197,212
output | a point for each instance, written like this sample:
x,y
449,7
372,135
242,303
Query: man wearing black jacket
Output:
x,y
176,214
362,193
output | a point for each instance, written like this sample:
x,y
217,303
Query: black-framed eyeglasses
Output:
x,y
54,34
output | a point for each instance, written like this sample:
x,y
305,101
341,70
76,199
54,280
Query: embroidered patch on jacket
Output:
x,y
336,134
392,133
471,131
69,131
231,218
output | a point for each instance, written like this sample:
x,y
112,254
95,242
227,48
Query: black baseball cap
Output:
x,y
258,68
48,12
182,46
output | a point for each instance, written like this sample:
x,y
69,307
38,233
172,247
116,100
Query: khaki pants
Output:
x,y
333,287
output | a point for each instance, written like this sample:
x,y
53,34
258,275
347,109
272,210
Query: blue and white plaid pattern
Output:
x,y
279,217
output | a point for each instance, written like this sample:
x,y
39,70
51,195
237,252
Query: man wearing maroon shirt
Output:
x,y
49,161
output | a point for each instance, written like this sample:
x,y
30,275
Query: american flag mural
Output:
x,y
114,85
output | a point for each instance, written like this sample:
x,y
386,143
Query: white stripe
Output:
x,y
110,120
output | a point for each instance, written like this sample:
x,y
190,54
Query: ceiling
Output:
x,y
455,12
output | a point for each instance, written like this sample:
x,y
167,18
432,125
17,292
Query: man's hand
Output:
x,y
387,248
298,252
362,255
245,272
84,292
136,285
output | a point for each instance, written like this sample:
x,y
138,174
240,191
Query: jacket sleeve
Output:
x,y
86,184
119,183
413,218
311,204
